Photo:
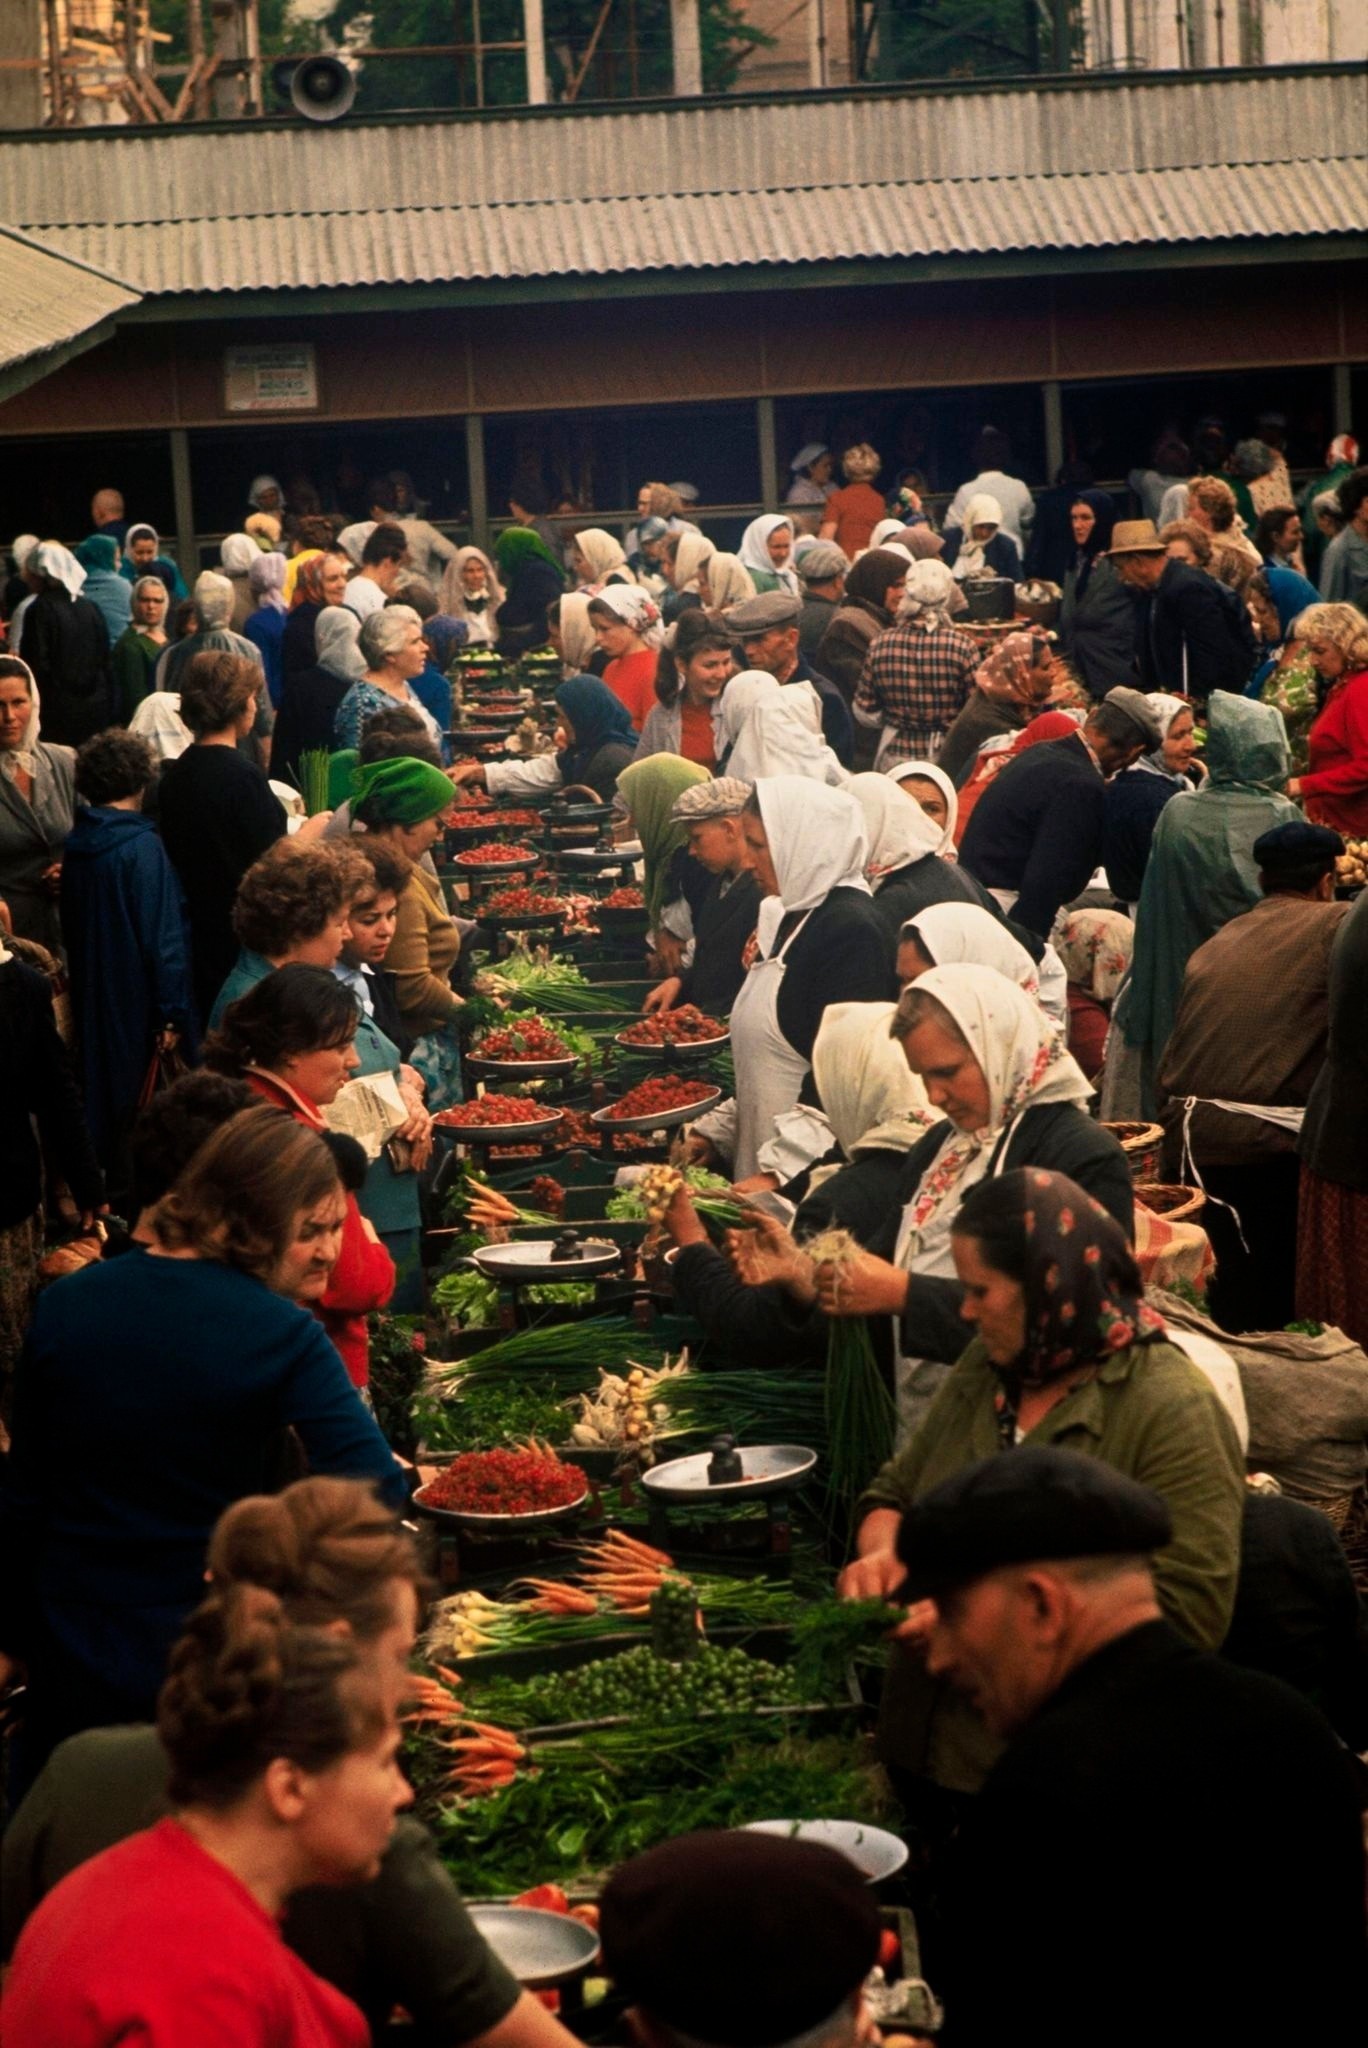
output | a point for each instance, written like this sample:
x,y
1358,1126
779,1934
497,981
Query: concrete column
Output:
x,y
688,49
1054,429
818,66
534,34
769,466
477,488
1341,403
187,554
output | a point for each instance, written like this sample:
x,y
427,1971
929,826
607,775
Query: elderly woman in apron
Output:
x,y
818,941
996,1066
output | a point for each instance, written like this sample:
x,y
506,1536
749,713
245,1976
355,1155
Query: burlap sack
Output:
x,y
1307,1399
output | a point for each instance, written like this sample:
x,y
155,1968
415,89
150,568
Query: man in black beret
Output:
x,y
766,630
1248,1041
1170,1848
741,1940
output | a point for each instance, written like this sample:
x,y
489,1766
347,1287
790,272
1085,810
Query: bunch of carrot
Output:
x,y
621,1570
486,1756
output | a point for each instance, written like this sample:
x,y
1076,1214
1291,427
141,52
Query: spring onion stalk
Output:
x,y
569,1356
313,776
861,1417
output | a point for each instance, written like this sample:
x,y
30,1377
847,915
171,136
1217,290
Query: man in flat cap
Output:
x,y
766,628
1247,1043
1035,835
1170,1848
738,1940
821,567
1194,633
725,918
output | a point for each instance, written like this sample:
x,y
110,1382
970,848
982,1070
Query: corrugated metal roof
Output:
x,y
811,179
712,232
50,300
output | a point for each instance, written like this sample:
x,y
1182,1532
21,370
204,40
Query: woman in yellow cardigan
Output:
x,y
401,803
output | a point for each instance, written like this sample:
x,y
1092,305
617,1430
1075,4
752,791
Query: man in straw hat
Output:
x,y
1196,636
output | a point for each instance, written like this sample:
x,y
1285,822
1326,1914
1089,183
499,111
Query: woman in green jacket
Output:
x,y
1066,1353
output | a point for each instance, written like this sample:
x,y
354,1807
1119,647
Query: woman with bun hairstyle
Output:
x,y
335,1558
151,1390
283,1746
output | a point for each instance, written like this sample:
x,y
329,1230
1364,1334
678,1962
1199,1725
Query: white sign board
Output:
x,y
279,378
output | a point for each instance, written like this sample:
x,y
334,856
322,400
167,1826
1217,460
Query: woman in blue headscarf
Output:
x,y
104,586
1284,675
1097,619
598,742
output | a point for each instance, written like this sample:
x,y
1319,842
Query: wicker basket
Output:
x,y
1172,1201
1141,1144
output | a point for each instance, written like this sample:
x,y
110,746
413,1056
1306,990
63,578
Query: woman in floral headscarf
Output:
x,y
626,623
1067,1354
1011,685
995,1066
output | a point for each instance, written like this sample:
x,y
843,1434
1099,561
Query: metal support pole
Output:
x,y
187,557
534,33
1054,429
817,45
477,487
769,466
1341,414
688,49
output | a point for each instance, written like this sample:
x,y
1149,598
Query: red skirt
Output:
x,y
1332,1255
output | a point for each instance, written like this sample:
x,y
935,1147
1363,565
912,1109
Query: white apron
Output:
x,y
769,1073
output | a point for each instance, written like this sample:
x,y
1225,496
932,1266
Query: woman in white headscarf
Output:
x,y
965,934
916,677
237,552
66,645
572,635
980,547
764,727
37,803
818,941
996,1066
471,590
905,869
1137,796
692,553
266,495
596,559
766,552
627,627
841,1164
724,580
931,789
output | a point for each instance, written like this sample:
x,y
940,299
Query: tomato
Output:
x,y
547,1898
890,1950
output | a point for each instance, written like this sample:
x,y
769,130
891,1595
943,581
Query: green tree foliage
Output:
x,y
632,55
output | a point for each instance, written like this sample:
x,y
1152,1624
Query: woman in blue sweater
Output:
x,y
149,1397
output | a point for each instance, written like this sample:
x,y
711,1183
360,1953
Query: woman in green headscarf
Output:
x,y
534,580
1201,873
649,789
401,803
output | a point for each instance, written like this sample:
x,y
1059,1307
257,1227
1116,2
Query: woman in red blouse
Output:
x,y
1335,785
627,627
290,1038
694,666
283,1747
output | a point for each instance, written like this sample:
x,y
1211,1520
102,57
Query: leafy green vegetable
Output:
x,y
828,1636
489,1415
468,1298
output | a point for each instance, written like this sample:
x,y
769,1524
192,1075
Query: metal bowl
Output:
x,y
875,1853
523,921
596,857
499,1525
498,1134
658,1120
578,814
530,1259
519,1070
484,869
674,1048
540,1949
767,1468
478,735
